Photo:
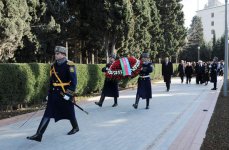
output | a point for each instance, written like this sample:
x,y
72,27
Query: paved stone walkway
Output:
x,y
168,124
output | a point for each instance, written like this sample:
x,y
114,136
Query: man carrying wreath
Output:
x,y
110,88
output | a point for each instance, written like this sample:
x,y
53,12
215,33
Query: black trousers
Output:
x,y
215,84
188,79
182,78
168,85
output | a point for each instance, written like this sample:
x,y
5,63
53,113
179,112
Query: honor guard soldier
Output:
x,y
167,72
213,72
110,88
63,81
144,90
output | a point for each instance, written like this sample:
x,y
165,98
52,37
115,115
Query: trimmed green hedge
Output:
x,y
28,83
90,78
22,83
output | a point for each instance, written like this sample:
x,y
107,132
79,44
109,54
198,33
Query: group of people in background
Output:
x,y
204,71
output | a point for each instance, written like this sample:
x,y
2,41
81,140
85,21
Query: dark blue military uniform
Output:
x,y
57,107
110,88
144,90
63,83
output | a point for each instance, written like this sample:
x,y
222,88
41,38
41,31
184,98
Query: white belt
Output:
x,y
145,76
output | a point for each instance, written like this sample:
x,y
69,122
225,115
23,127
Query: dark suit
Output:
x,y
206,74
200,70
213,74
181,71
188,72
167,72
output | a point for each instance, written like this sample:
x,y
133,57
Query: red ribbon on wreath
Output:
x,y
115,70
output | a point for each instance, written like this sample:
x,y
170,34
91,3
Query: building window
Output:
x,y
213,31
212,23
212,15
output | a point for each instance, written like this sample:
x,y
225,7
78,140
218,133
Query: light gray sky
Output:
x,y
190,8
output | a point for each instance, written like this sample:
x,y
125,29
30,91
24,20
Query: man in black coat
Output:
x,y
63,81
206,73
188,72
213,74
144,82
200,70
110,88
181,70
167,72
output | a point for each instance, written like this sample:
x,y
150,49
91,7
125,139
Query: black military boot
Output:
x,y
147,103
136,102
214,86
40,131
75,127
100,103
115,102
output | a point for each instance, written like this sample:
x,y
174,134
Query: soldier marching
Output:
x,y
110,88
63,81
144,90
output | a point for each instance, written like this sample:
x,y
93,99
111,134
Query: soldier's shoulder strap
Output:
x,y
70,63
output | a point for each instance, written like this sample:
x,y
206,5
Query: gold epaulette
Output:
x,y
70,63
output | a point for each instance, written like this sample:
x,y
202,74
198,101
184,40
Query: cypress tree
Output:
x,y
155,30
195,39
172,26
143,24
38,45
14,24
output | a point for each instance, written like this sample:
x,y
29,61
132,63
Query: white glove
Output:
x,y
47,97
66,97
